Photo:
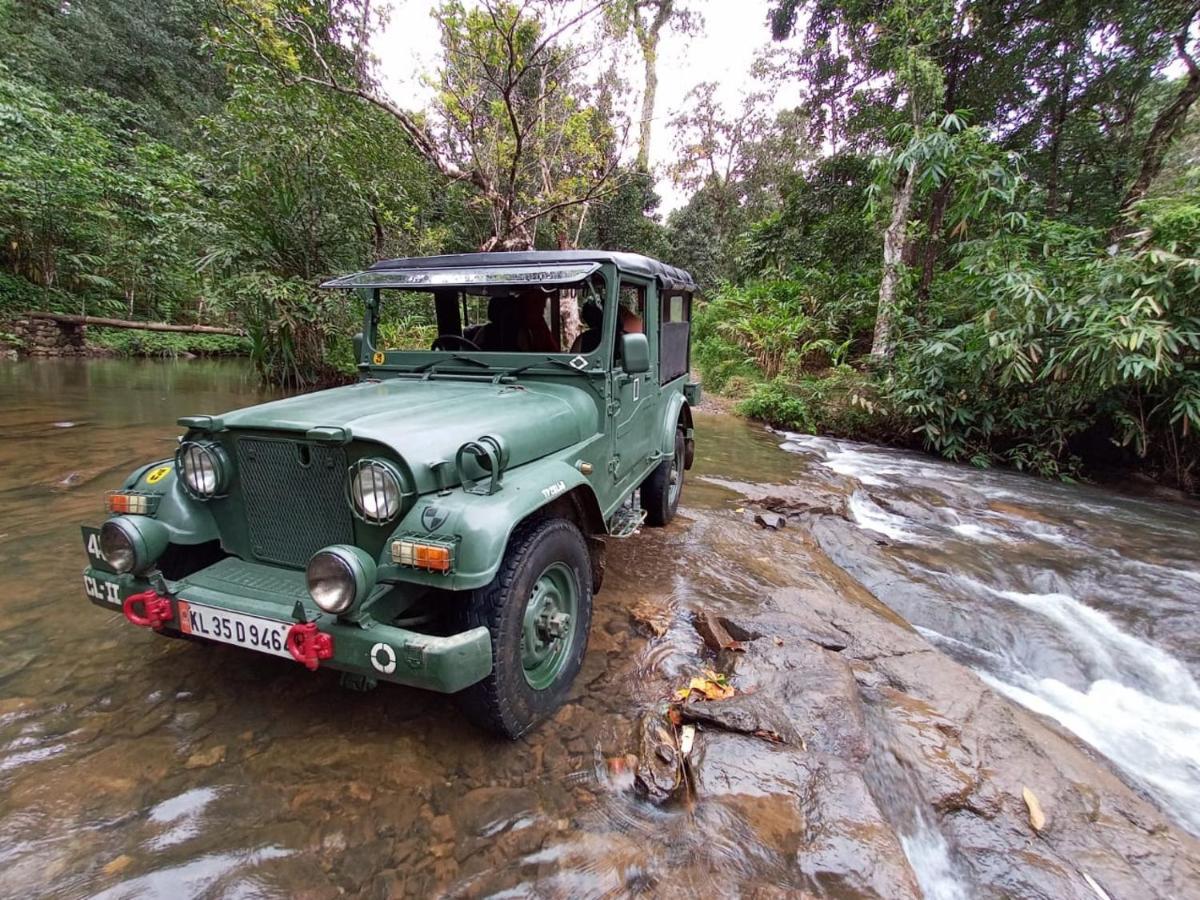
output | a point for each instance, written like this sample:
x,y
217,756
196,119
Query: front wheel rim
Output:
x,y
548,625
675,477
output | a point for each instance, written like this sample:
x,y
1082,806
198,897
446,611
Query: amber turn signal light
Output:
x,y
124,503
431,557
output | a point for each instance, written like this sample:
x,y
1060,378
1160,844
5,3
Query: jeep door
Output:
x,y
634,411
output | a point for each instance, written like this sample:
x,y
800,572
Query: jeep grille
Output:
x,y
294,498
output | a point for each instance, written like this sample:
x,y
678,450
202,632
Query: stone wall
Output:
x,y
46,337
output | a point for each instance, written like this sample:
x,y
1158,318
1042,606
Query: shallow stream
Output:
x,y
133,766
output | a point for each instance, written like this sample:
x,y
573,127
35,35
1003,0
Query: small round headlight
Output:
x,y
375,491
204,469
117,547
132,543
339,576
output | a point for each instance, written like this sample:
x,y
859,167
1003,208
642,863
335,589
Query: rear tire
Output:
x,y
538,610
664,486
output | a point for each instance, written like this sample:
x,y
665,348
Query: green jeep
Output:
x,y
441,523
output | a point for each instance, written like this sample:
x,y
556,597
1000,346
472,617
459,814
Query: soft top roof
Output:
x,y
633,263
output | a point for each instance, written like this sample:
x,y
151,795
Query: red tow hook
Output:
x,y
155,609
308,645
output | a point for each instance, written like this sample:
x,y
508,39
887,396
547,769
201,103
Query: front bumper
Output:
x,y
374,650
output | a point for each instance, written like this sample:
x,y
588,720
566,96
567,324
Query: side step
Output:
x,y
628,518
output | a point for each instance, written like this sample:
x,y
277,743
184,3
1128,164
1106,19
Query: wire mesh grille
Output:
x,y
294,498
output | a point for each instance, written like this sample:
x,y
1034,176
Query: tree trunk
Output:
x,y
124,323
1057,120
1166,128
647,37
650,62
893,251
933,237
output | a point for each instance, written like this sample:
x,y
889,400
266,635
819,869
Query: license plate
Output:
x,y
251,632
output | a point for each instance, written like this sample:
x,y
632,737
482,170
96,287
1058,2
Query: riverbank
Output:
x,y
101,342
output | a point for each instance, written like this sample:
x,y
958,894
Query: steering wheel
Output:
x,y
454,342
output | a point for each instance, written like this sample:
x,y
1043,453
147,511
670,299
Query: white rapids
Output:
x,y
1075,602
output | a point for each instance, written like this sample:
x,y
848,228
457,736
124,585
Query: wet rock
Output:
x,y
712,629
487,811
754,714
660,768
14,661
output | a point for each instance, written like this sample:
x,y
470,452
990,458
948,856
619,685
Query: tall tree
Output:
x,y
511,117
1167,127
646,20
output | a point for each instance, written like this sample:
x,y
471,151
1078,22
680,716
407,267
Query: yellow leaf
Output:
x,y
1037,818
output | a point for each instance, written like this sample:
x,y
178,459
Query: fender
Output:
x,y
187,521
677,410
483,524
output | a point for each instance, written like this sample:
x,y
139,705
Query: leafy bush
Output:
x,y
841,402
129,342
1065,344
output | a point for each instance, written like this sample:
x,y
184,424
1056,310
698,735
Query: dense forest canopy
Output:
x,y
979,229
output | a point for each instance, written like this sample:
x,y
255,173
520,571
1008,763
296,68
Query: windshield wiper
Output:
x,y
548,360
431,367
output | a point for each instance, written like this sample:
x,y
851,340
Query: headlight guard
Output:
x,y
204,469
376,490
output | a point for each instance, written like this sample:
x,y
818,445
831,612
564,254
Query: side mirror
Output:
x,y
635,353
358,345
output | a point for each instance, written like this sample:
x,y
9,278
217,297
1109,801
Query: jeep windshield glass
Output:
x,y
568,273
468,323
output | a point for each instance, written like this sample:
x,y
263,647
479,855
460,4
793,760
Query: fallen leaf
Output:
x,y
769,735
118,865
674,716
710,686
616,764
1037,818
205,758
654,617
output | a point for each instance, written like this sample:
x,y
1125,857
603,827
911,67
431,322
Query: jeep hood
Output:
x,y
426,421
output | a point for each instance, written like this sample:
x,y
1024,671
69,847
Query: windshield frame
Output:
x,y
374,362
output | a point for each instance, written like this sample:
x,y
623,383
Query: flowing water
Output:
x,y
135,766
1077,602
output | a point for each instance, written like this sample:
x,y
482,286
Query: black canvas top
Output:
x,y
633,263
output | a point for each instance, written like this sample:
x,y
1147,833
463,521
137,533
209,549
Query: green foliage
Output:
x,y
93,209
1067,343
839,401
300,336
126,342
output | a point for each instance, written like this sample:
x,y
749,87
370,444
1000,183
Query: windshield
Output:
x,y
536,318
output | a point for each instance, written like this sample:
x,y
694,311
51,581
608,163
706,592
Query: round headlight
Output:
x,y
132,543
375,491
117,547
339,576
204,469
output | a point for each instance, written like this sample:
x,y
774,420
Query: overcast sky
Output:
x,y
734,32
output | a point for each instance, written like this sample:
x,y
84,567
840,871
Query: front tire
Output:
x,y
663,487
538,610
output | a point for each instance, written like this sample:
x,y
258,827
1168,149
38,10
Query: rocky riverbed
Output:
x,y
862,741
